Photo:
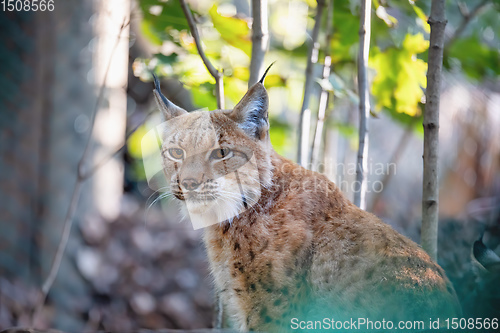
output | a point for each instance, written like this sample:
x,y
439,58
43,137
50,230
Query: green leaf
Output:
x,y
148,30
166,59
234,89
279,134
192,72
345,40
161,27
345,37
138,173
204,96
400,76
233,30
477,59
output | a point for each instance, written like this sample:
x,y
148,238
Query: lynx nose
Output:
x,y
190,184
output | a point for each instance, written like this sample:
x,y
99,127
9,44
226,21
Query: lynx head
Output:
x,y
216,162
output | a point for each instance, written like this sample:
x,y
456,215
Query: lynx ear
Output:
x,y
251,112
168,109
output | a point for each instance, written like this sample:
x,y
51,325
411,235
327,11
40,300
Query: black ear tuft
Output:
x,y
158,91
157,81
265,73
167,108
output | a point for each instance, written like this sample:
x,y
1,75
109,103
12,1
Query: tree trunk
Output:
x,y
324,97
437,21
364,104
305,113
260,37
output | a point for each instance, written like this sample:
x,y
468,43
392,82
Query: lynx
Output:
x,y
287,250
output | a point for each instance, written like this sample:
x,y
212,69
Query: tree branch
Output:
x,y
305,113
68,220
430,186
324,96
217,75
260,37
467,17
364,104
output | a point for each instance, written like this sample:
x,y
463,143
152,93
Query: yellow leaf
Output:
x,y
400,77
415,43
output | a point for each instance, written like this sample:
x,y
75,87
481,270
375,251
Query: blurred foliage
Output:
x,y
233,30
279,134
162,20
475,52
474,57
398,53
400,76
135,142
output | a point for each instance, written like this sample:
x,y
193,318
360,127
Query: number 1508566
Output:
x,y
27,5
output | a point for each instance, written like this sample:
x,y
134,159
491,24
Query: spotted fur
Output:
x,y
302,250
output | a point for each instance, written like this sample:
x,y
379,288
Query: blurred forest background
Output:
x,y
130,263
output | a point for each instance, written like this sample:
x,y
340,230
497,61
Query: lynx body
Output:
x,y
283,242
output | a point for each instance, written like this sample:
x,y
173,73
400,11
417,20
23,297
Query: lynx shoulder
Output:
x,y
283,242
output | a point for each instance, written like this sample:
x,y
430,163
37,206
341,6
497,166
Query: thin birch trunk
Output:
x,y
305,112
324,97
364,104
260,37
430,193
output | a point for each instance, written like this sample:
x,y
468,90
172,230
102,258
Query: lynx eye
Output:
x,y
176,153
220,153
